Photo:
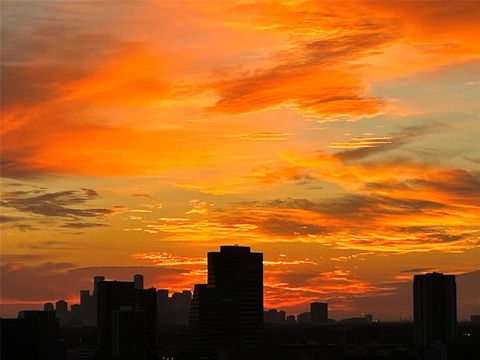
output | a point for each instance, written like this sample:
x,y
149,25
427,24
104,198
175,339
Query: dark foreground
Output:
x,y
303,342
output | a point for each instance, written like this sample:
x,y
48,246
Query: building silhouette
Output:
x,y
32,335
126,321
434,308
174,310
87,312
138,281
227,312
304,318
48,307
319,312
61,312
274,316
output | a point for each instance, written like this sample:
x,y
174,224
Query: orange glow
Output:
x,y
334,137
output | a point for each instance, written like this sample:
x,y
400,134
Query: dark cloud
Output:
x,y
81,225
70,207
459,185
58,204
49,244
15,258
24,227
9,219
355,206
416,270
456,182
304,75
285,227
397,139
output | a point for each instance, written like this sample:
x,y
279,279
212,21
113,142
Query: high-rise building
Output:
x,y
88,303
174,310
128,334
236,273
97,280
48,307
61,312
124,311
434,308
319,312
227,312
204,322
138,281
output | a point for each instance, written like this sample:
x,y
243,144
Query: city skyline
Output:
x,y
169,297
338,138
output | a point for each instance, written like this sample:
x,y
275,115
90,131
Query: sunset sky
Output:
x,y
341,139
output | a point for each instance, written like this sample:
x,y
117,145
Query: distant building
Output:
x,y
138,281
291,319
205,325
475,319
48,307
274,316
33,335
229,309
319,312
88,304
125,312
174,310
128,333
434,308
304,318
365,318
75,318
61,312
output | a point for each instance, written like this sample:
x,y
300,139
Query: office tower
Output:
x,y
434,308
319,312
48,307
84,296
164,311
88,303
204,322
237,276
226,314
181,307
128,329
97,280
173,310
120,310
61,312
138,281
75,318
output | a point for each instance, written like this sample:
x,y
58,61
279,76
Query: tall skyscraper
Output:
x,y
434,308
229,308
236,273
319,312
125,312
